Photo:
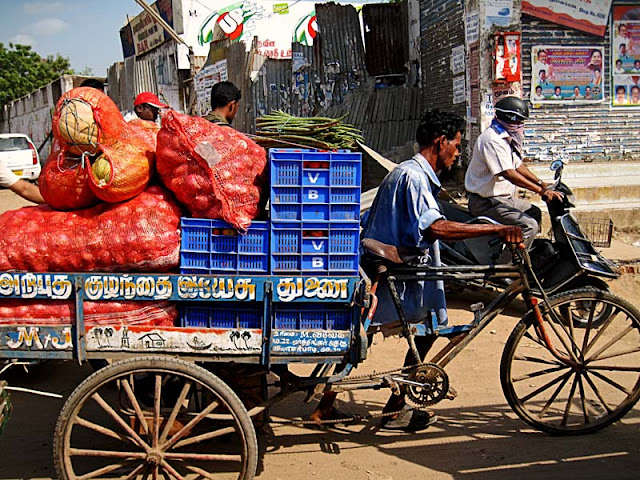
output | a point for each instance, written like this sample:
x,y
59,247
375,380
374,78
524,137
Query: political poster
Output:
x,y
562,75
625,56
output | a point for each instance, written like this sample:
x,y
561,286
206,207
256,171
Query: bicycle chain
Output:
x,y
371,376
354,418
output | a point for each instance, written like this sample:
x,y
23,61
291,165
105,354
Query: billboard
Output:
x,y
625,56
567,74
143,33
586,16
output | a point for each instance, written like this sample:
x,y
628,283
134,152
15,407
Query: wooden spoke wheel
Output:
x,y
592,376
154,417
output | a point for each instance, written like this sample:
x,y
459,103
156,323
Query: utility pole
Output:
x,y
192,67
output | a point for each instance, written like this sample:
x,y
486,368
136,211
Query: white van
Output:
x,y
19,154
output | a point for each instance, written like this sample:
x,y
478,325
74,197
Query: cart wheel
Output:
x,y
154,416
598,387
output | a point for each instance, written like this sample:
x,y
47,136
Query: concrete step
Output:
x,y
602,190
588,170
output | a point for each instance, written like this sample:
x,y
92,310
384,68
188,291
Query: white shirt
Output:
x,y
492,155
7,177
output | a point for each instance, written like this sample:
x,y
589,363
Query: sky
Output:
x,y
84,31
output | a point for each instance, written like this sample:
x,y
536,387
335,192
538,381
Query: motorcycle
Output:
x,y
567,262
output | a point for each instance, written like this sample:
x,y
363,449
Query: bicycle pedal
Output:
x,y
451,394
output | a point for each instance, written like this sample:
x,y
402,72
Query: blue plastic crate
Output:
x,y
286,195
345,195
345,264
214,246
221,315
312,316
319,248
309,185
196,234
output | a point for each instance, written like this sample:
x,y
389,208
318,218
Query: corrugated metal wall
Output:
x,y
304,81
238,70
386,37
339,52
388,117
584,132
272,88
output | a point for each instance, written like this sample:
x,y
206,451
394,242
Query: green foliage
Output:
x,y
23,70
85,72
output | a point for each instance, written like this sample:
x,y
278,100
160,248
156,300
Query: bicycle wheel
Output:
x,y
595,381
155,416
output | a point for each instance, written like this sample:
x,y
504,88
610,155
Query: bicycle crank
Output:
x,y
427,384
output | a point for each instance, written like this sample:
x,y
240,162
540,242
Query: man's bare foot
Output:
x,y
319,415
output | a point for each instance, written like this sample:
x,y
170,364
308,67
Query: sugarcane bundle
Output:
x,y
281,130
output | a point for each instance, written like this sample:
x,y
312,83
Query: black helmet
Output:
x,y
512,110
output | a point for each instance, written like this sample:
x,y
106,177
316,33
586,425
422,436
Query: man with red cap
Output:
x,y
147,106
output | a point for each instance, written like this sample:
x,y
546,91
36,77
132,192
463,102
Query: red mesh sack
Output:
x,y
216,172
84,118
124,168
87,122
63,312
140,235
147,128
64,183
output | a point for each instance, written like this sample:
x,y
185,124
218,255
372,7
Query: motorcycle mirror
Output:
x,y
556,165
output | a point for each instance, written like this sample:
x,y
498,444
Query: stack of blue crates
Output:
x,y
314,230
315,212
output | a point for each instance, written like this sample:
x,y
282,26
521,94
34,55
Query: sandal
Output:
x,y
409,420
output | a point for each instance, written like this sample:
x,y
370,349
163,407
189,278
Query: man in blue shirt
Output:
x,y
406,214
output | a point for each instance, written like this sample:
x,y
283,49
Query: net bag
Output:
x,y
85,118
140,235
16,311
64,182
146,128
123,168
215,171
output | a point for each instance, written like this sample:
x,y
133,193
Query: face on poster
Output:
x,y
567,74
625,56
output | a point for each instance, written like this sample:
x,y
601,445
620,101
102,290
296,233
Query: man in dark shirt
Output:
x,y
225,97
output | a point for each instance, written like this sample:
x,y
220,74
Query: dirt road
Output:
x,y
477,436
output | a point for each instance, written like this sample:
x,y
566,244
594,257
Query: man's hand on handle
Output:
x,y
548,195
510,234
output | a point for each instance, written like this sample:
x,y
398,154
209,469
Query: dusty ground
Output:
x,y
477,436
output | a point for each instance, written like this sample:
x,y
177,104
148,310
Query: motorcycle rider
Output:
x,y
497,168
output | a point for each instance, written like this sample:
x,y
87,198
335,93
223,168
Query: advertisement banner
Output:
x,y
584,15
142,34
625,56
567,74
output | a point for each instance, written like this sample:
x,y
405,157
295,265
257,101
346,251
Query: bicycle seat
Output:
x,y
391,253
